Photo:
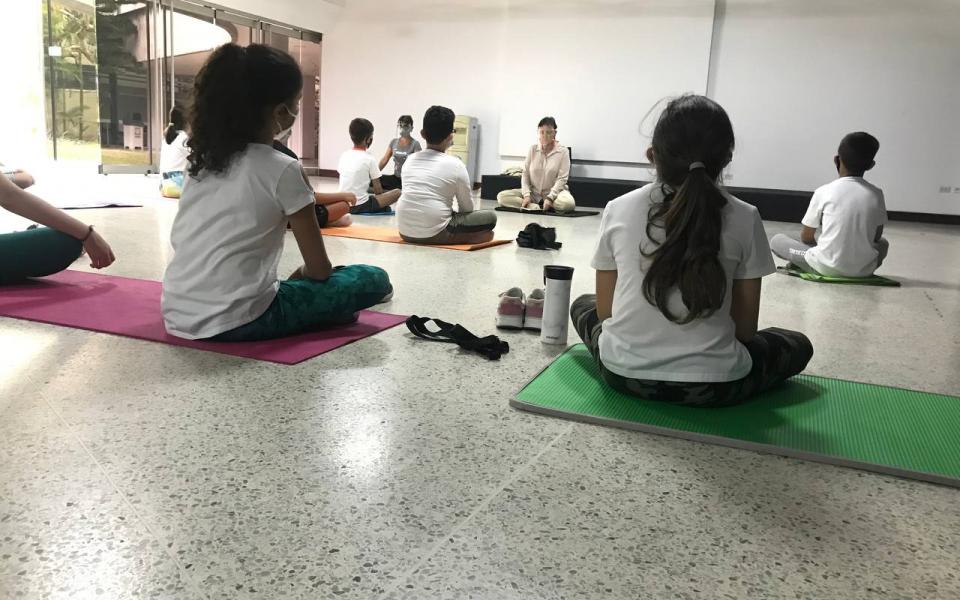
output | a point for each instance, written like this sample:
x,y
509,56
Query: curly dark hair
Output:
x,y
231,97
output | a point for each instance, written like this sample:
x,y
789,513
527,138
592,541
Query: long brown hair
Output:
x,y
692,143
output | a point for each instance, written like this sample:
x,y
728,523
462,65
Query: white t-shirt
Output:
x,y
638,341
227,240
431,181
173,156
847,213
357,169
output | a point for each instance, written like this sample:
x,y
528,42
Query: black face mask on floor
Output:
x,y
490,346
538,237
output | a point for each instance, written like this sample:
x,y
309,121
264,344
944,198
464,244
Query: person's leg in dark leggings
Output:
x,y
390,182
777,354
36,253
304,305
583,313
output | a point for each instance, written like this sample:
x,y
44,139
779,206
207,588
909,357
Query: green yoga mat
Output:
x,y
872,280
888,430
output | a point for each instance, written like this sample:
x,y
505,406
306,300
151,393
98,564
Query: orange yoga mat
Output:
x,y
385,234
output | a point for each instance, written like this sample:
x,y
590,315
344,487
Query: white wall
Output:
x,y
796,76
380,62
598,68
510,62
22,125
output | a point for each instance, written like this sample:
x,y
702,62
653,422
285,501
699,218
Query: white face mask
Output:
x,y
285,133
404,130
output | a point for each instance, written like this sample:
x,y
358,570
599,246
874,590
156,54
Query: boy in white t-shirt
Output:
x,y
842,232
359,170
432,180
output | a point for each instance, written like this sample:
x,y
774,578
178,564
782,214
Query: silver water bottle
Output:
x,y
556,304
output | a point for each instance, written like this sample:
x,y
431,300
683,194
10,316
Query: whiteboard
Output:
x,y
651,50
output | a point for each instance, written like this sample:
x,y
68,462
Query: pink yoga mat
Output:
x,y
131,307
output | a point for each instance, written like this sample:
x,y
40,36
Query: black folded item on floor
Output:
x,y
538,237
489,346
549,213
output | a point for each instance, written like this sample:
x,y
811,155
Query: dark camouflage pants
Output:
x,y
777,354
305,304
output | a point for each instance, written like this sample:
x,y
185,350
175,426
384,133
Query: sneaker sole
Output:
x,y
533,324
509,322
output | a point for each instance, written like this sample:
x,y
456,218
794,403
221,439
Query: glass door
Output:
x,y
125,49
304,47
113,70
70,80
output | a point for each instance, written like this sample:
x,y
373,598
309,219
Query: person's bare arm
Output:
x,y
34,209
808,236
386,157
606,284
306,230
745,307
377,186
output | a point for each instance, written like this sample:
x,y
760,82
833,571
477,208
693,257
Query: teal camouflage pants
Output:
x,y
306,304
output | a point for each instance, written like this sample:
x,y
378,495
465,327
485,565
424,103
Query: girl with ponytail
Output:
x,y
228,234
678,269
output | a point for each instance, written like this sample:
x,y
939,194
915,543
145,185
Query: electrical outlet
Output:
x,y
945,189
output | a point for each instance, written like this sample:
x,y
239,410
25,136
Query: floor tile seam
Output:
x,y
195,588
504,484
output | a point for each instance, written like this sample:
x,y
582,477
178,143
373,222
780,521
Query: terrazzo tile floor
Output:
x,y
394,468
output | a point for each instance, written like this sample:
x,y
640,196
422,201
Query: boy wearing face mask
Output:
x,y
399,149
359,170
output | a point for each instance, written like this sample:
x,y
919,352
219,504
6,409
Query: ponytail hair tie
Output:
x,y
697,165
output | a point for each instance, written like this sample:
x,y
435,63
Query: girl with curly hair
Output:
x,y
229,231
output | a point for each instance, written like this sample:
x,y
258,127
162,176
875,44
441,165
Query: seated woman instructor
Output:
x,y
545,172
399,149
